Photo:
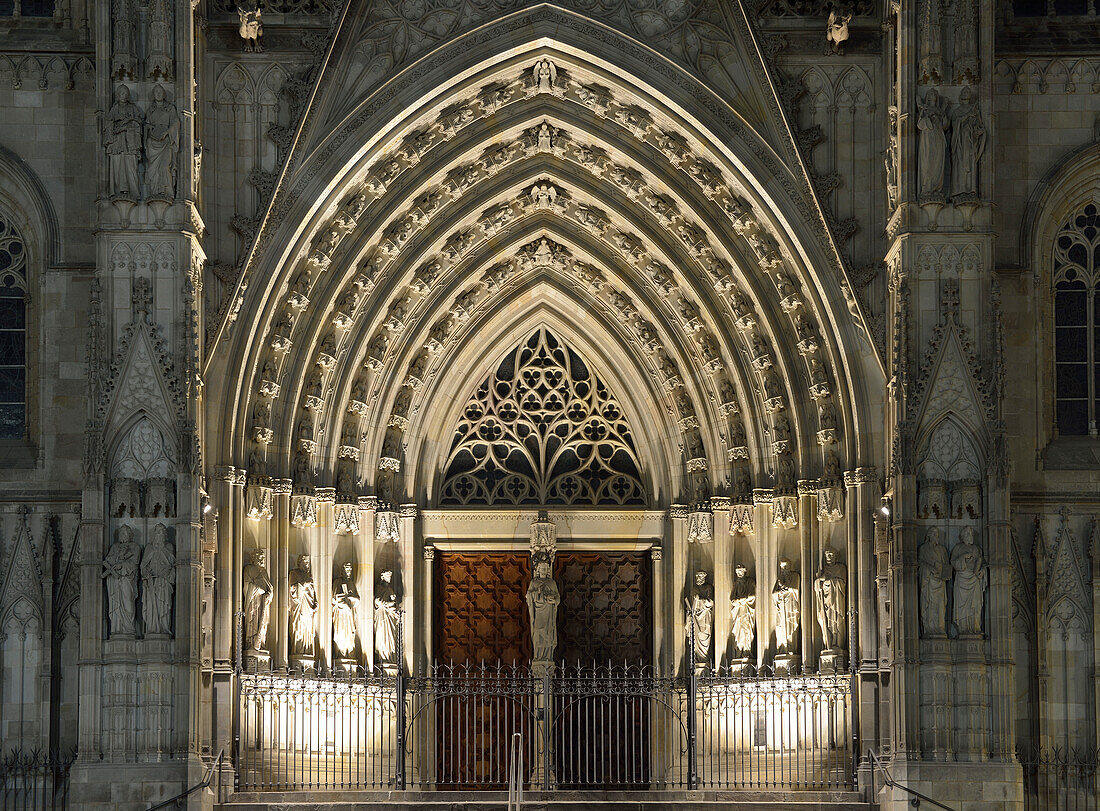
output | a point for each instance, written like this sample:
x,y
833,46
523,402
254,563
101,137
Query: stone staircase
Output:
x,y
547,801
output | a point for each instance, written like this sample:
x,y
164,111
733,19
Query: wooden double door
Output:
x,y
604,621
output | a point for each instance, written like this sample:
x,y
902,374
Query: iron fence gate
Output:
x,y
606,727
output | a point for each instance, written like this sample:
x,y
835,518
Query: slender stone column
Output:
x,y
678,516
808,554
660,655
723,580
410,597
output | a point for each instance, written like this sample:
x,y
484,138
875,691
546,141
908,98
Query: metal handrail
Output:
x,y
177,801
894,784
515,777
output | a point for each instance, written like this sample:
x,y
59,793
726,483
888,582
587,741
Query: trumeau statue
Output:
x,y
303,608
970,583
932,148
543,598
700,623
385,620
968,138
122,140
831,595
934,572
162,140
743,611
120,568
158,580
787,608
345,605
257,595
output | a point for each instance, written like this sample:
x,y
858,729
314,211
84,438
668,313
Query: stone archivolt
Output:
x,y
584,187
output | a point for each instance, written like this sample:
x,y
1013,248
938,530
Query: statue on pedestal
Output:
x,y
934,572
543,598
743,612
831,596
700,623
788,607
303,608
120,568
385,620
970,584
256,597
968,139
158,580
932,148
122,140
162,141
345,605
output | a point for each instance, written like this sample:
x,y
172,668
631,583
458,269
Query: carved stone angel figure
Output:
x,y
256,598
743,611
122,140
385,620
162,141
700,623
120,568
831,595
158,580
545,73
543,598
970,583
932,148
345,606
303,608
788,606
934,572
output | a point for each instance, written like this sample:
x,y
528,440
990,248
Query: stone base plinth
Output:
x,y
833,661
787,664
257,661
986,786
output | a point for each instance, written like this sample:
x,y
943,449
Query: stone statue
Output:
x,y
831,596
542,606
700,623
968,138
158,580
162,140
120,568
345,605
122,140
545,73
252,27
836,31
787,608
743,611
256,597
932,148
970,583
891,160
385,620
303,608
934,572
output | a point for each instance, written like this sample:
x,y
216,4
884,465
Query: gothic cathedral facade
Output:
x,y
388,379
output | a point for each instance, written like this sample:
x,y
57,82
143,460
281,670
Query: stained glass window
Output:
x,y
13,332
1076,316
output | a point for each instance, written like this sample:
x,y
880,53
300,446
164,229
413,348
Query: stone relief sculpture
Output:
x,y
934,572
158,581
303,608
836,31
543,598
120,568
257,595
385,621
831,596
968,138
743,612
891,159
787,608
700,623
345,606
162,140
970,584
545,74
122,140
932,148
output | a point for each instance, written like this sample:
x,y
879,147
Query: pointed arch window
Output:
x,y
1077,323
543,429
13,332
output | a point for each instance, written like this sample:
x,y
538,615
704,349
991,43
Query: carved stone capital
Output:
x,y
861,475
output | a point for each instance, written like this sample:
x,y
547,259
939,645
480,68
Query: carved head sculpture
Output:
x,y
966,535
303,563
740,570
259,558
158,94
347,570
542,569
125,534
160,534
387,575
830,556
700,578
122,94
966,96
784,566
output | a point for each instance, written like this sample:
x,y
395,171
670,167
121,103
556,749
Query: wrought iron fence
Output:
x,y
1060,779
34,781
605,727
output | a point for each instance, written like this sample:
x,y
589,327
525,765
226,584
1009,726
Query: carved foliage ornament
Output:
x,y
543,429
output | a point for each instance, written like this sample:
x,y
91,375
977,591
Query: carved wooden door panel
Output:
x,y
480,618
601,729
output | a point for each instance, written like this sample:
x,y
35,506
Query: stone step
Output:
x,y
547,801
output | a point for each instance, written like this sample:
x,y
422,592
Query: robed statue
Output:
x,y
543,598
934,570
788,606
303,608
700,622
162,141
385,620
970,584
831,596
743,612
345,605
120,568
158,580
122,140
256,597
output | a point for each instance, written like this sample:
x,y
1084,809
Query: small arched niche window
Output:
x,y
13,332
1077,323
